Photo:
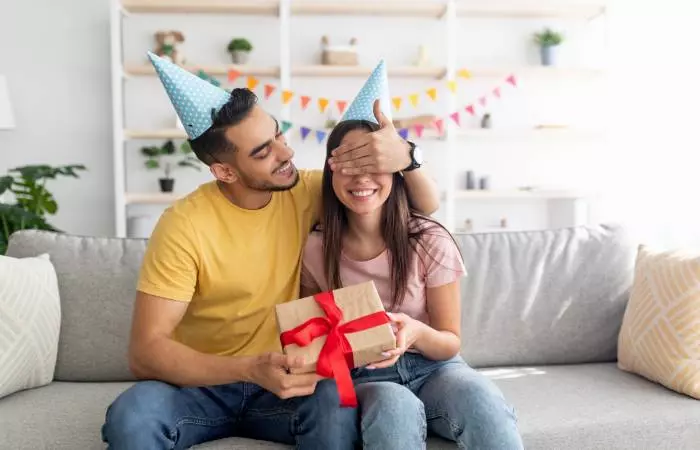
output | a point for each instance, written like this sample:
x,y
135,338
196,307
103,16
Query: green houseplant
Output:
x,y
548,40
239,48
166,157
32,200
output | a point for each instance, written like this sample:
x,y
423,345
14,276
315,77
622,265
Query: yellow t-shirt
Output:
x,y
231,264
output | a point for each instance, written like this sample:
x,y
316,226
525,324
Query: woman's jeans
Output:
x,y
400,404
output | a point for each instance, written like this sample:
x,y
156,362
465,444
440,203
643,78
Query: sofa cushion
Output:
x,y
660,336
597,406
562,407
30,319
545,297
97,282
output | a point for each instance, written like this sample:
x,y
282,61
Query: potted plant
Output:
x,y
548,41
154,160
240,48
32,200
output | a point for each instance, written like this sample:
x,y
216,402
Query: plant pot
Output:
x,y
166,184
548,54
239,56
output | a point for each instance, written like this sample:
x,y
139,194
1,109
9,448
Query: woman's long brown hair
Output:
x,y
401,234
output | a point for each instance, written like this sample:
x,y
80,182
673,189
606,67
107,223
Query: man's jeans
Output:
x,y
400,404
152,415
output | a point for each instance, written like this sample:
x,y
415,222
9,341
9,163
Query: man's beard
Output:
x,y
264,186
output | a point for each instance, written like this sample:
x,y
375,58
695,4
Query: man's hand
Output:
x,y
410,330
270,372
383,151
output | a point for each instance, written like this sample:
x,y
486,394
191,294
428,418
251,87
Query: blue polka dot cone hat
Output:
x,y
194,99
376,87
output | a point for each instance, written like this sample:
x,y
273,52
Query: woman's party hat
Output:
x,y
376,87
194,99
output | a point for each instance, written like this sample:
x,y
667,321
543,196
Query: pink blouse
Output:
x,y
437,262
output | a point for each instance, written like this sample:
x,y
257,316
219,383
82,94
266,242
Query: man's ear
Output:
x,y
224,173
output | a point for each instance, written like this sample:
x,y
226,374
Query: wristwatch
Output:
x,y
416,157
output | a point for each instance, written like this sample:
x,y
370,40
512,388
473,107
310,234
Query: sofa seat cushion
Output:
x,y
562,407
597,406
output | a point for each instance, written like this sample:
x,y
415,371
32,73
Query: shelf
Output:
x,y
355,71
173,133
251,7
526,71
214,70
530,9
515,194
153,198
429,9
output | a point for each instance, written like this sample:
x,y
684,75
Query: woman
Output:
x,y
370,232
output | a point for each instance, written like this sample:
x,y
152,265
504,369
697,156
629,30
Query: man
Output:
x,y
204,338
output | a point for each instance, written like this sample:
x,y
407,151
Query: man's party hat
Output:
x,y
376,87
194,99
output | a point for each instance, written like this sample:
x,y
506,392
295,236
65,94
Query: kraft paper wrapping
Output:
x,y
355,301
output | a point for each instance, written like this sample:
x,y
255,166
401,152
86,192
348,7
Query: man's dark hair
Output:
x,y
213,142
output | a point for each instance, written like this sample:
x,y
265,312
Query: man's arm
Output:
x,y
388,153
153,354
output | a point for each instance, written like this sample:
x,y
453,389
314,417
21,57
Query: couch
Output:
x,y
541,315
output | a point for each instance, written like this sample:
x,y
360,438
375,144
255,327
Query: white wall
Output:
x,y
651,81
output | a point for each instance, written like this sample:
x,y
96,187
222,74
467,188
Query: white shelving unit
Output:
x,y
447,11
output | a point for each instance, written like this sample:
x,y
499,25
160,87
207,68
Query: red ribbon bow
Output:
x,y
335,359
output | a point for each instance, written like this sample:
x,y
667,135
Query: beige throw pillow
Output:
x,y
660,335
30,319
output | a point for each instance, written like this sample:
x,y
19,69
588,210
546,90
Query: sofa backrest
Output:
x,y
96,281
545,297
539,297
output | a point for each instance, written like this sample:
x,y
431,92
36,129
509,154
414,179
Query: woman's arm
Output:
x,y
441,340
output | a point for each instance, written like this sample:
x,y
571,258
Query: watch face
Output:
x,y
418,155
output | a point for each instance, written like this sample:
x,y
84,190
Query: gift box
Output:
x,y
335,331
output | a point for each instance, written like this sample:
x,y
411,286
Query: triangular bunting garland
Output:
x,y
305,99
439,125
342,104
403,132
432,93
304,132
470,109
482,100
511,80
233,75
455,117
413,99
252,83
452,85
269,89
464,73
497,92
320,135
322,103
397,102
419,129
287,96
286,126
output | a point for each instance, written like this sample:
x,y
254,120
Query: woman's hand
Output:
x,y
409,331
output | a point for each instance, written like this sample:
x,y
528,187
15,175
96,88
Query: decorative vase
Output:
x,y
239,56
486,121
548,54
166,184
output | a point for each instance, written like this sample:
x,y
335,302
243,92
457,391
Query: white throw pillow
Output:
x,y
30,320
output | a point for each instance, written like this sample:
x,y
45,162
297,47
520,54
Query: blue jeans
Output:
x,y
152,415
402,403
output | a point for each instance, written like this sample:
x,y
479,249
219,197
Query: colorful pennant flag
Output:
x,y
342,104
320,135
482,100
305,99
233,75
419,129
322,103
269,89
439,125
304,132
397,102
432,93
252,83
452,85
455,117
464,73
287,96
497,92
403,132
286,126
414,99
470,110
511,80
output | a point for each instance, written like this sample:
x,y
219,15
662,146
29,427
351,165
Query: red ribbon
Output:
x,y
335,359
